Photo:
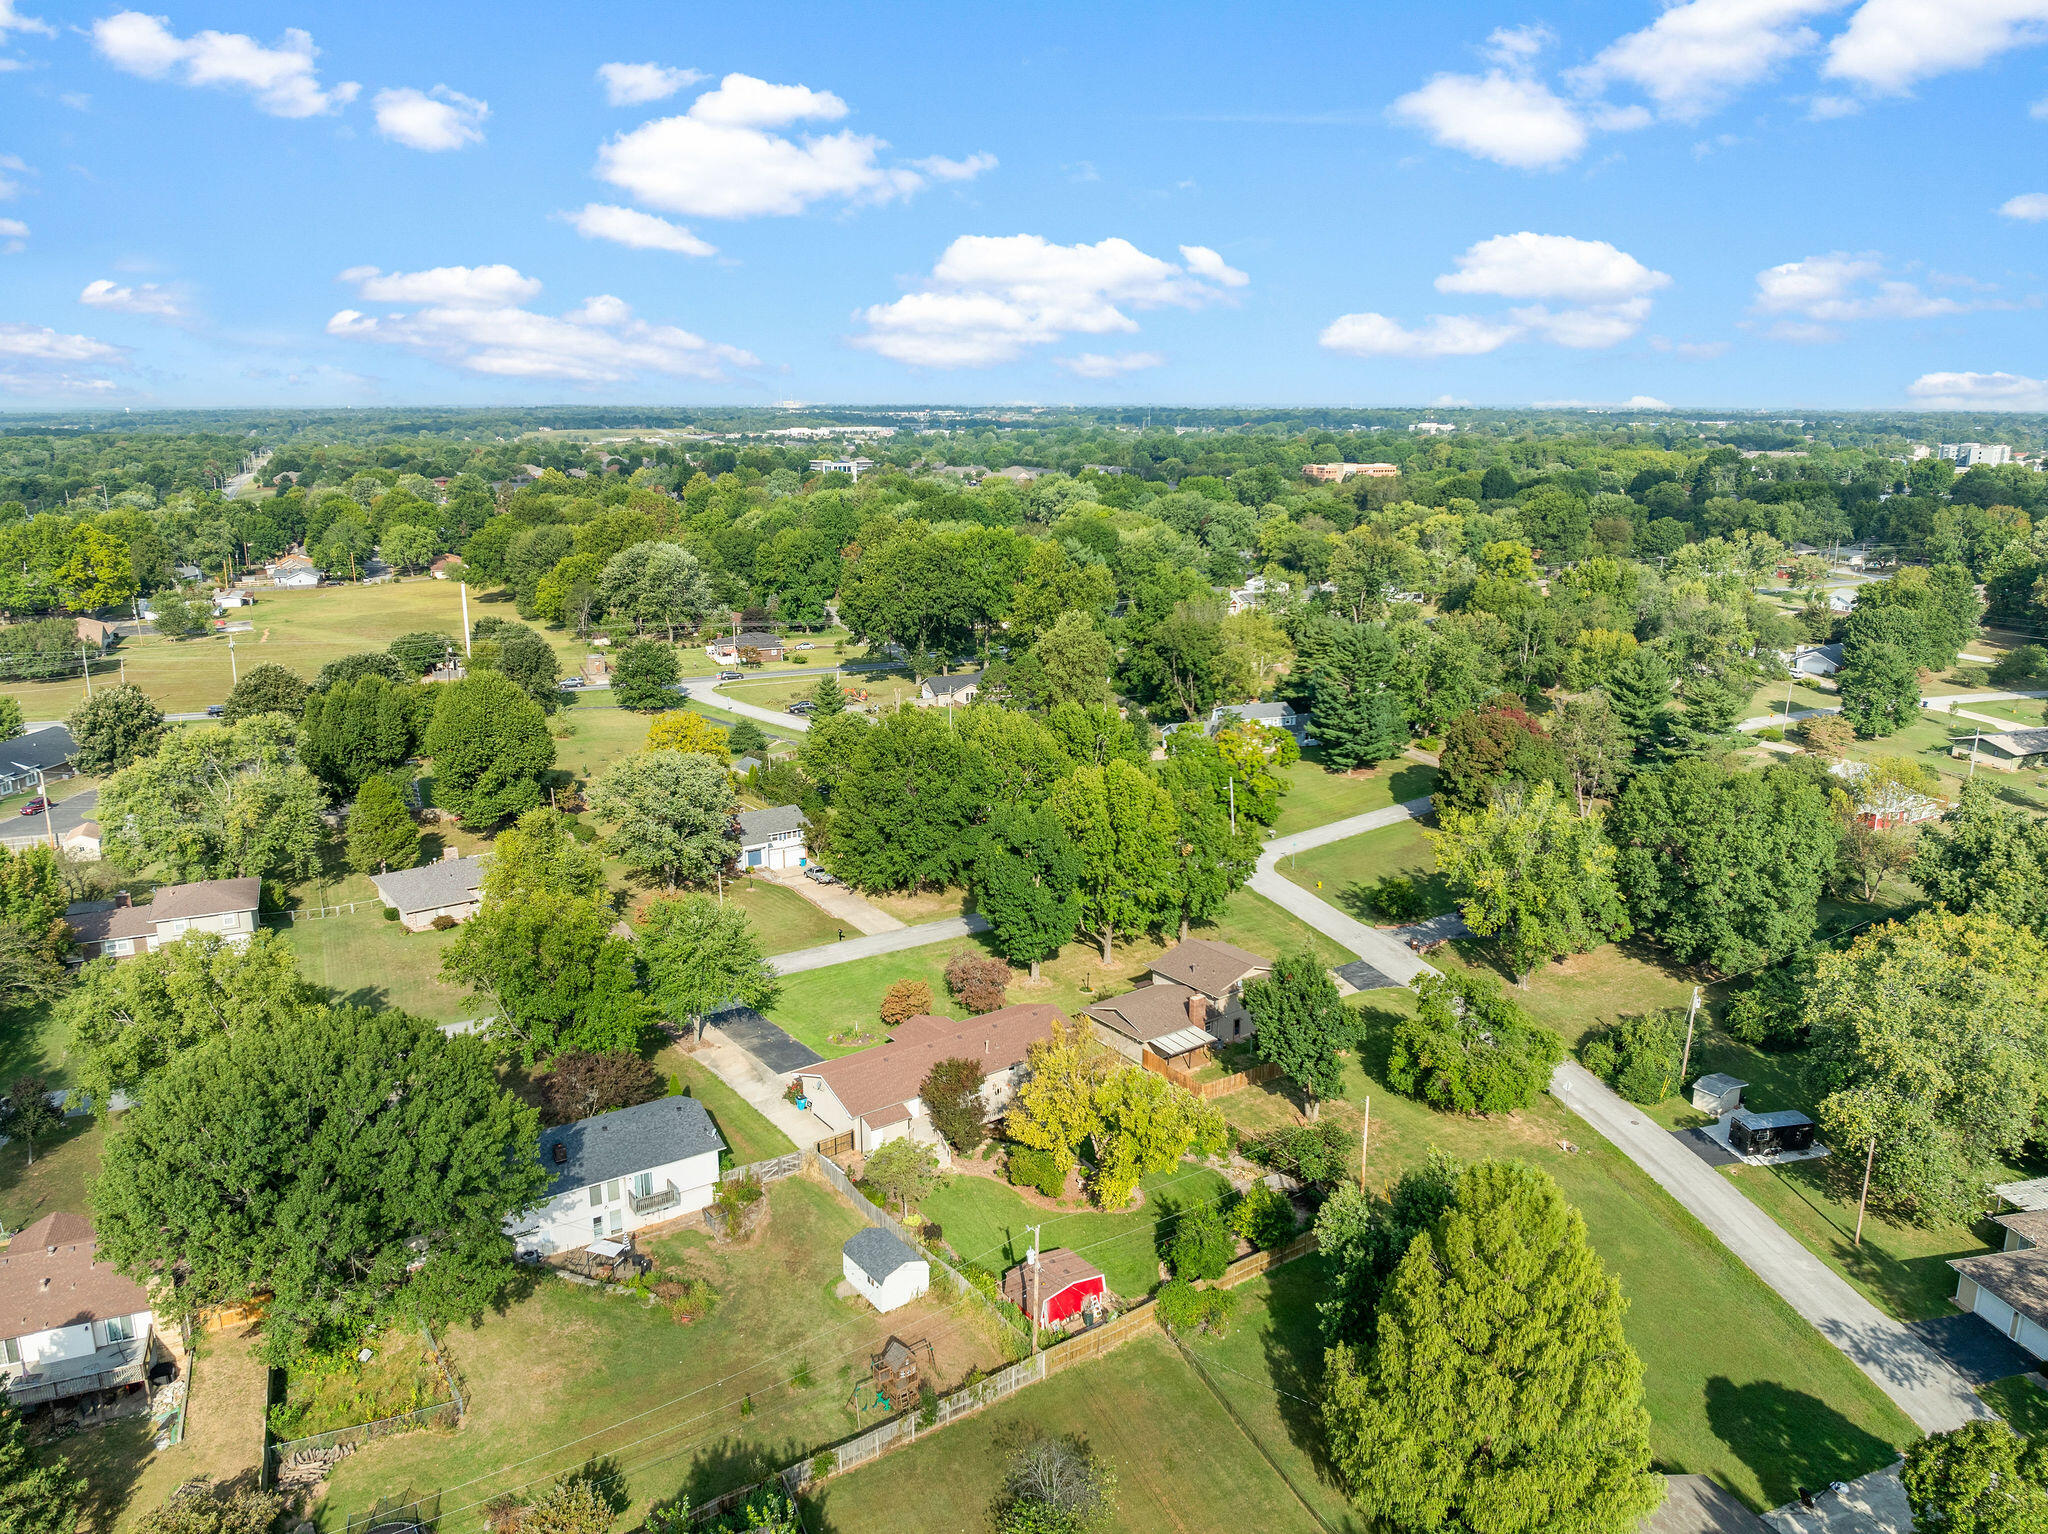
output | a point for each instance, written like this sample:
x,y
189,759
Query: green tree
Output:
x,y
1201,1245
1518,1414
657,583
829,749
1983,857
542,852
39,1494
1640,690
381,832
1362,1237
113,727
644,673
10,718
516,652
178,616
360,1165
671,814
906,804
903,1171
745,736
98,572
1144,1125
1594,743
265,690
1055,1106
1301,1025
951,1093
1357,714
1532,874
357,730
219,803
1929,1039
1124,827
409,546
205,1509
1880,690
1026,880
490,746
1723,867
1074,661
422,650
1469,1049
1981,1478
29,1116
702,955
827,698
551,970
32,893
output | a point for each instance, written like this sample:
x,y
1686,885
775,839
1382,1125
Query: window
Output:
x,y
643,1184
597,1227
611,1192
618,1221
10,1351
120,1328
597,1195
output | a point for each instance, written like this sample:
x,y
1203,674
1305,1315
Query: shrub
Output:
x,y
1770,732
1770,1012
1323,1153
951,1093
927,1404
2025,663
1638,1056
1264,1217
979,983
933,1232
1398,898
736,1206
390,914
1031,1168
443,923
690,1300
583,1084
904,1000
1184,1309
1202,1244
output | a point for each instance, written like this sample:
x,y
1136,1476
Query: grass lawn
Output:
x,y
2022,1402
566,1372
373,962
845,998
126,1477
35,1041
401,1376
1182,1466
772,692
988,1224
1317,795
1738,1386
1345,873
748,1133
916,907
1770,699
64,1167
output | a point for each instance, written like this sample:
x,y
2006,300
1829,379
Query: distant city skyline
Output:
x,y
1732,203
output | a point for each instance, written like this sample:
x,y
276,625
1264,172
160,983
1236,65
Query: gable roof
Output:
x,y
1276,713
2029,1224
756,639
1207,965
2019,1278
872,1080
627,1140
1150,1012
2018,742
451,881
38,750
48,1278
210,897
1057,1269
756,826
878,1252
941,686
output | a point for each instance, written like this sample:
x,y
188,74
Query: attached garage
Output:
x,y
2008,1291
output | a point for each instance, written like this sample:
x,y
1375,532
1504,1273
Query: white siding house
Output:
x,y
69,1326
619,1172
226,907
773,838
883,1269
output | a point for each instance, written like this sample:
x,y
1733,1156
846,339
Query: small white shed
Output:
x,y
884,1269
1717,1094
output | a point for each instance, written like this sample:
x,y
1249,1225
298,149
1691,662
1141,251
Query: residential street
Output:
x,y
1387,954
1926,1389
828,954
1941,703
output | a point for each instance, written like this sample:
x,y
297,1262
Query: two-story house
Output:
x,y
1190,999
69,1326
773,838
223,906
611,1175
874,1093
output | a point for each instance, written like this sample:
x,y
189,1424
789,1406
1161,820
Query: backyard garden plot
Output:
x,y
767,1377
401,1375
1182,1465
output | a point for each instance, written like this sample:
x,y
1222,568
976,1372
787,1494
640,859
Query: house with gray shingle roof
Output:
x,y
620,1172
773,838
452,887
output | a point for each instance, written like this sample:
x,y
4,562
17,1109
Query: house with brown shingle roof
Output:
x,y
223,906
69,1325
1191,998
874,1093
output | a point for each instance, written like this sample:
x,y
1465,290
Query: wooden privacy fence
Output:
x,y
1223,1086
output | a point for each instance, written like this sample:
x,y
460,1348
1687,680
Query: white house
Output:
x,y
883,1269
1253,593
1277,716
2008,1290
27,761
232,596
773,838
451,887
69,1326
293,570
1814,660
874,1092
944,691
117,930
614,1174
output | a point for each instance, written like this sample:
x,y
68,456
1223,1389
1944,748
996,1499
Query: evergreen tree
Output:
x,y
1358,715
381,833
1301,1025
38,1492
1640,691
827,698
1880,689
1500,1393
745,737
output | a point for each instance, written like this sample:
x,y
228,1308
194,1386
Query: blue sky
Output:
x,y
1722,202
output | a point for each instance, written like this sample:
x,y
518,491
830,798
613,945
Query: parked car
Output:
x,y
807,645
732,676
570,682
215,710
802,706
35,806
819,876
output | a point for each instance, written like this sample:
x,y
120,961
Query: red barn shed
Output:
x,y
1067,1282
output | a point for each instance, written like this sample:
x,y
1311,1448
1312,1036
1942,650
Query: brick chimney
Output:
x,y
1198,1009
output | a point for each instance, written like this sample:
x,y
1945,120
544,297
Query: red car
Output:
x,y
35,806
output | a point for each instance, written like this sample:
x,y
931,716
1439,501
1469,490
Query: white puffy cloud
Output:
x,y
1584,329
471,320
1813,295
11,20
742,101
991,297
1108,365
430,120
36,360
1499,116
144,298
1515,47
1527,265
13,236
481,285
1979,391
2029,206
627,85
631,227
1891,45
1445,335
282,80
939,168
1697,54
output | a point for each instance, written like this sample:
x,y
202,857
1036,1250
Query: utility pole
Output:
x,y
1863,1198
1685,1059
234,671
49,824
1233,806
84,661
1364,1141
1032,1318
1976,740
466,647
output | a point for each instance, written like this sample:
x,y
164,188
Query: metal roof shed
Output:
x,y
1717,1093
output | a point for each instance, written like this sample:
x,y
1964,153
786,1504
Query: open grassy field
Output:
x,y
565,1372
56,1180
1770,699
1738,1386
35,1041
373,962
988,1224
1316,795
1345,873
1182,1465
747,1132
844,999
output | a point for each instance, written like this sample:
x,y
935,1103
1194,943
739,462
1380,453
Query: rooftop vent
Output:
x,y
561,1154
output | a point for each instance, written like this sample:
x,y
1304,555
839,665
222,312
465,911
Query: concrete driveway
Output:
x,y
1925,1387
1382,950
